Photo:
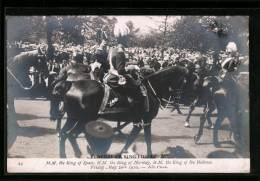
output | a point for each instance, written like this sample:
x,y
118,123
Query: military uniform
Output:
x,y
118,79
101,57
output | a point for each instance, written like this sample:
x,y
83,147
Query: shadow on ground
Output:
x,y
34,131
22,117
155,138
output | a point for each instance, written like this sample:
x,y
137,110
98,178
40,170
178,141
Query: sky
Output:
x,y
144,22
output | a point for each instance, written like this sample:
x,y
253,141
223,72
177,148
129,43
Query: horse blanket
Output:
x,y
114,102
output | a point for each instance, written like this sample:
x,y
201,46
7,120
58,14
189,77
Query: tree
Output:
x,y
25,28
209,32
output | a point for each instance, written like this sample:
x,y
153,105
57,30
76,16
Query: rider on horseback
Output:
x,y
228,76
119,80
229,65
201,69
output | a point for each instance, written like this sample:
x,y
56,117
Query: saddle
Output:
x,y
113,102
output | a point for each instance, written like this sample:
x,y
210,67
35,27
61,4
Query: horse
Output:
x,y
81,72
203,94
230,101
18,81
200,93
183,90
62,84
85,97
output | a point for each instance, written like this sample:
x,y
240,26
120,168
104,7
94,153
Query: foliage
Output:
x,y
198,33
202,33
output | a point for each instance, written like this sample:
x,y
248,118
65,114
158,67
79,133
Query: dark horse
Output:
x,y
230,99
62,84
19,83
84,99
203,92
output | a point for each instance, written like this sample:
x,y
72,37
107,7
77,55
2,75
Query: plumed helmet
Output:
x,y
231,47
121,30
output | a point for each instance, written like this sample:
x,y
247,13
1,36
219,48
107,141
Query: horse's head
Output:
x,y
145,71
173,77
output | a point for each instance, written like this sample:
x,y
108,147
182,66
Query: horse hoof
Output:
x,y
150,154
90,150
217,145
179,112
187,125
78,155
124,151
196,139
52,119
211,126
63,155
172,110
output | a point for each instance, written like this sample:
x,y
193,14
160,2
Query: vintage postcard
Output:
x,y
127,94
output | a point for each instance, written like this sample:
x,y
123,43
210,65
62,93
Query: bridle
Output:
x,y
23,87
160,102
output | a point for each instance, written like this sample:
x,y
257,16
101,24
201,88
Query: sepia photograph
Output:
x,y
127,94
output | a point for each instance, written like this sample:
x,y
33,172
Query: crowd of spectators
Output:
x,y
156,58
65,54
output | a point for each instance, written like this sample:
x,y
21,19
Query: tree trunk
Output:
x,y
49,29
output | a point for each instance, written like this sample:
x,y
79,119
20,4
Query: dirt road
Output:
x,y
37,137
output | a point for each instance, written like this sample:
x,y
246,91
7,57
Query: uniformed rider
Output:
x,y
119,80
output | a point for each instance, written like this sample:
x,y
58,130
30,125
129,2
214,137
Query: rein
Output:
x,y
25,88
160,102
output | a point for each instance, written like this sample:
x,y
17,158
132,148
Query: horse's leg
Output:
x,y
234,124
202,122
62,140
211,107
222,104
220,119
54,107
134,133
12,118
148,136
12,124
72,135
58,126
192,107
62,111
70,123
119,127
178,108
173,106
123,125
